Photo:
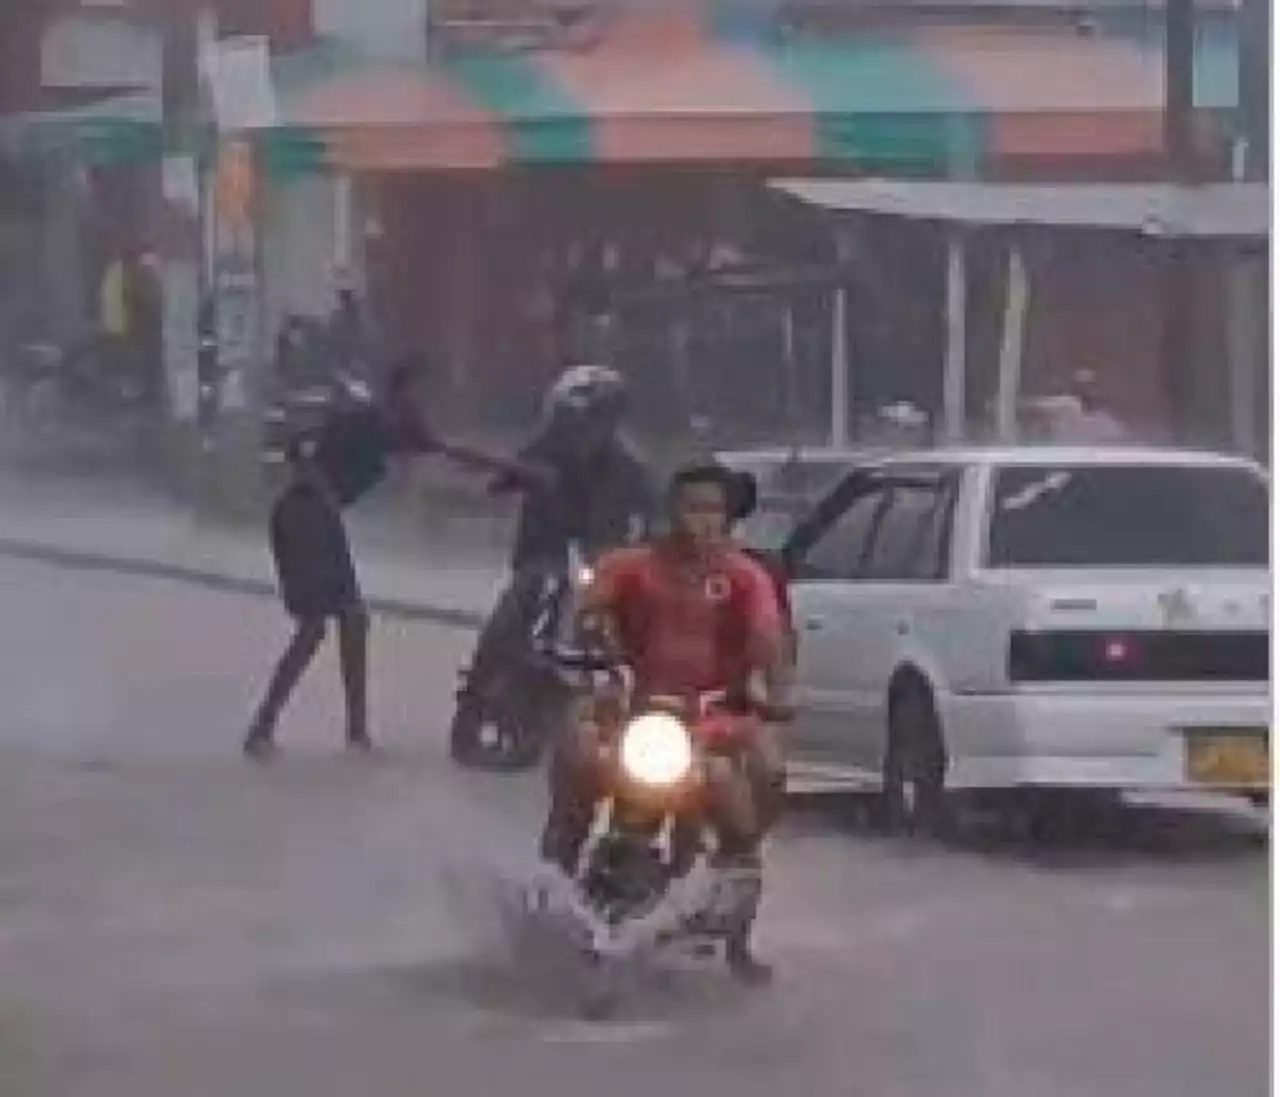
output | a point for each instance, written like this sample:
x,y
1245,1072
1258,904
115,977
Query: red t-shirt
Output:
x,y
687,628
781,582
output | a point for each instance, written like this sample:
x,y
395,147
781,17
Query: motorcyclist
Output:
x,y
584,484
689,613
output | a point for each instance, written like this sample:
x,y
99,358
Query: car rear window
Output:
x,y
1128,516
806,478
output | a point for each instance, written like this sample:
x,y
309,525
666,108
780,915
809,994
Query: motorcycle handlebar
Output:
x,y
599,663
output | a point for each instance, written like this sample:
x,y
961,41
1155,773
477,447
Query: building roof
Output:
x,y
1215,210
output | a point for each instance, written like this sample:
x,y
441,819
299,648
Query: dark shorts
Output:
x,y
312,555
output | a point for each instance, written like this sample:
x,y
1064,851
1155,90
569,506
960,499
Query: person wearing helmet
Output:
x,y
584,484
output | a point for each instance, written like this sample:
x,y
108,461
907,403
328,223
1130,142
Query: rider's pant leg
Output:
x,y
767,772
504,633
574,777
731,807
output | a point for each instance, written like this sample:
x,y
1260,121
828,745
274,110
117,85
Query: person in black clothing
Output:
x,y
349,337
331,469
582,483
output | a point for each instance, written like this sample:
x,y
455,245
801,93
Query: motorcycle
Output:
x,y
32,377
645,881
83,396
310,386
508,725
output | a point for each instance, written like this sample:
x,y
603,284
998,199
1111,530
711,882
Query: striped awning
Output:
x,y
119,130
930,102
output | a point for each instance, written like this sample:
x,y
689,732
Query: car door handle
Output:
x,y
814,624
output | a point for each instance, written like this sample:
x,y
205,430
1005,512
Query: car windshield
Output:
x,y
1128,516
808,478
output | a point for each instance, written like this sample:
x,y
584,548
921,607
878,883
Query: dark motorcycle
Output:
x,y
33,372
650,832
507,725
89,396
310,386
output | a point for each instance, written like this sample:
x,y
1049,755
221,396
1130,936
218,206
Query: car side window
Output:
x,y
838,552
911,538
932,562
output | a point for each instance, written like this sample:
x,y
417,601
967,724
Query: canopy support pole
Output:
x,y
839,370
343,227
953,378
792,367
1011,346
840,351
1243,331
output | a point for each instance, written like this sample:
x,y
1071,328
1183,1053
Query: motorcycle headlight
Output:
x,y
656,749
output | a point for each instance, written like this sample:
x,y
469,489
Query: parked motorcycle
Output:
x,y
644,882
32,369
310,385
79,397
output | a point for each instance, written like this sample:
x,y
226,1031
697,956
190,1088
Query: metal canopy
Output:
x,y
1218,210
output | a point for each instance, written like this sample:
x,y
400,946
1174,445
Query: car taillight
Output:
x,y
1073,656
1086,655
1117,651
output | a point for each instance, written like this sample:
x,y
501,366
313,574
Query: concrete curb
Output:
x,y
88,560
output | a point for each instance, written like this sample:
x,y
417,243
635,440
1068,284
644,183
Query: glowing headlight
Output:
x,y
656,749
586,575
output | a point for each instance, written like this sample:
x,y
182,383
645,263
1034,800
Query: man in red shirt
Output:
x,y
689,613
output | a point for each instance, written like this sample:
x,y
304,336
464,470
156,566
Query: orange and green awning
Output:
x,y
930,102
117,131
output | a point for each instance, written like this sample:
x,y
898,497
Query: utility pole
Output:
x,y
1179,328
183,261
1255,87
1248,295
1179,89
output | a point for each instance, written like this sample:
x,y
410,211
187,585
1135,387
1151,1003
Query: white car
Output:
x,y
1048,618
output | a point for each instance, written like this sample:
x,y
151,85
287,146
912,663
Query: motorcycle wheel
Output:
x,y
465,734
520,738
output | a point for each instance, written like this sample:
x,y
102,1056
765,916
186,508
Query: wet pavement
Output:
x,y
175,920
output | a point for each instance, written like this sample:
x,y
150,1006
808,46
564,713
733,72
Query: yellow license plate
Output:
x,y
1229,758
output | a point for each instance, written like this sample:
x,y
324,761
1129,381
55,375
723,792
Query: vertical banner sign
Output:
x,y
238,73
235,271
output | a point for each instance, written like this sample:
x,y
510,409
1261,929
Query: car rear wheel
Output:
x,y
915,766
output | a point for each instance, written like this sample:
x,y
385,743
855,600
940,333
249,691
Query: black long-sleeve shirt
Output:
x,y
594,501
